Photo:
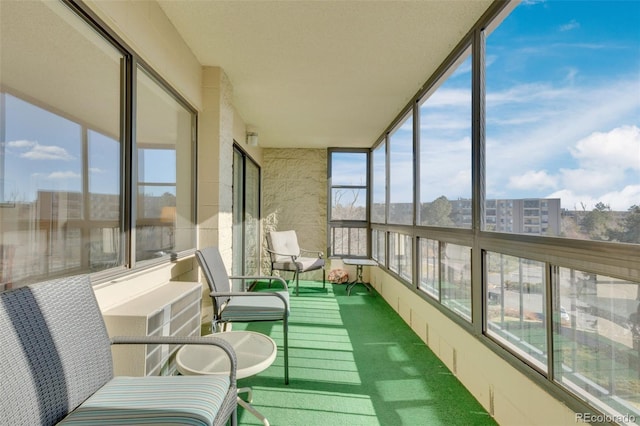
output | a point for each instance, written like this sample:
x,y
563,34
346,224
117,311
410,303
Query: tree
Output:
x,y
437,213
598,222
630,232
345,205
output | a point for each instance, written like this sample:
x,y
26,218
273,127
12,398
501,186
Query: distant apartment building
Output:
x,y
537,216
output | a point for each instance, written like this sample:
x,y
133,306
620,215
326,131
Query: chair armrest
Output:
x,y
261,277
249,293
318,253
292,256
184,340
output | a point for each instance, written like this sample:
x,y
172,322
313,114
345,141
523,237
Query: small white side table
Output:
x,y
359,264
255,353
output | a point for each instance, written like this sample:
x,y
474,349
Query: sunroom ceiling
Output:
x,y
315,74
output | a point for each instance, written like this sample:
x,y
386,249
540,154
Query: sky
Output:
x,y
562,111
48,157
44,152
563,103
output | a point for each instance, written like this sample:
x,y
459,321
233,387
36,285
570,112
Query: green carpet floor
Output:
x,y
353,361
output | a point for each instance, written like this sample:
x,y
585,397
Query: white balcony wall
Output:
x,y
507,394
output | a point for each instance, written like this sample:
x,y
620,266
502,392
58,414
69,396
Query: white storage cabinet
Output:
x,y
173,309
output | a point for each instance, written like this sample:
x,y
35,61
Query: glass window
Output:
x,y
379,184
596,338
394,256
455,285
252,240
379,246
246,215
348,182
516,305
562,120
348,186
165,222
401,173
348,241
401,255
429,267
445,151
60,210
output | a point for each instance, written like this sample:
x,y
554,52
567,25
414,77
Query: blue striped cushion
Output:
x,y
255,308
157,400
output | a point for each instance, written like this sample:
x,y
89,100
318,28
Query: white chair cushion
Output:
x,y
284,243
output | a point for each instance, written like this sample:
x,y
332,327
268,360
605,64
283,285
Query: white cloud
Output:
x,y
445,168
571,25
532,179
450,97
525,133
33,150
607,168
23,143
613,151
47,152
603,158
616,200
431,123
571,75
588,179
63,175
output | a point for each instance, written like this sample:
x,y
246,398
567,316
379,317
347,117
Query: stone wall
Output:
x,y
215,163
295,197
215,171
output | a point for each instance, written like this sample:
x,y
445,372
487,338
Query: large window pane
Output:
x,y
252,244
348,241
401,255
246,215
379,185
401,173
238,213
348,186
60,194
455,286
379,246
165,222
104,207
445,152
596,337
348,204
429,267
563,121
516,305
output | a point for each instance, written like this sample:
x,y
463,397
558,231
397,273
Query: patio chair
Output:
x,y
57,368
243,306
286,255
